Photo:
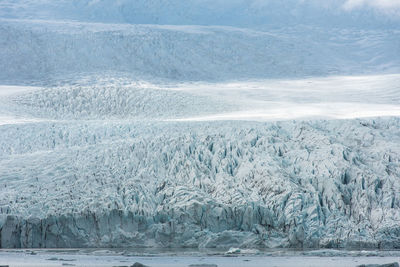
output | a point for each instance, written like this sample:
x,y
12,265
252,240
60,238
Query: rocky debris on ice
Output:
x,y
393,264
138,264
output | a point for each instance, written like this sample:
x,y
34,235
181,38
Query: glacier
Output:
x,y
94,172
43,51
148,126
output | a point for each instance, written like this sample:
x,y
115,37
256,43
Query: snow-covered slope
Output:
x,y
120,98
242,13
47,51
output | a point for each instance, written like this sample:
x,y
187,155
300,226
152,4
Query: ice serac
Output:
x,y
288,184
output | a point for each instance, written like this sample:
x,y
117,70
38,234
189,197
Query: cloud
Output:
x,y
384,5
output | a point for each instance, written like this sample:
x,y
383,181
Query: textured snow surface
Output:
x,y
115,97
47,50
282,184
248,13
96,171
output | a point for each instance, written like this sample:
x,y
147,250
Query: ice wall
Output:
x,y
291,184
